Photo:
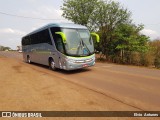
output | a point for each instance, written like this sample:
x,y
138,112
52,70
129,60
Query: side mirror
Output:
x,y
63,36
97,37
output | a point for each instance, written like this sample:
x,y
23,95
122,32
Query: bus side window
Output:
x,y
47,37
44,37
59,44
57,39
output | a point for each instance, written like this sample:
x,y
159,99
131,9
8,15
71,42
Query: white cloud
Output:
x,y
151,33
11,31
48,12
11,37
44,12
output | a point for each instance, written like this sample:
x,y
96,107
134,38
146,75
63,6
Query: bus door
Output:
x,y
59,46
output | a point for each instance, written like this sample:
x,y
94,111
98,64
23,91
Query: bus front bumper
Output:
x,y
74,66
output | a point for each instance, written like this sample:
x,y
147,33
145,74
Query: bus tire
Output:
x,y
28,59
52,64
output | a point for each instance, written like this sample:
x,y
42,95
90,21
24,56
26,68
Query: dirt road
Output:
x,y
106,87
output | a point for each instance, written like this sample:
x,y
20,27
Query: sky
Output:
x,y
12,29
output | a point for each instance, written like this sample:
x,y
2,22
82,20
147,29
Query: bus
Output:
x,y
65,46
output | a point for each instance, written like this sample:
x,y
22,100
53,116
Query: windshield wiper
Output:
x,y
79,46
82,46
85,46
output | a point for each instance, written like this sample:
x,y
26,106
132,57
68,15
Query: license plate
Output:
x,y
85,65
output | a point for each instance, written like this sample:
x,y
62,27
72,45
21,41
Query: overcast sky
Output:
x,y
13,28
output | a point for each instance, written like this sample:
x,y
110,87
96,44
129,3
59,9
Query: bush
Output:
x,y
157,62
147,59
136,58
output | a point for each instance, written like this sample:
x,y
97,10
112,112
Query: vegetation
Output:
x,y
79,11
121,41
155,45
2,48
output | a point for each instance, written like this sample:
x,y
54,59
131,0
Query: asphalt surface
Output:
x,y
137,87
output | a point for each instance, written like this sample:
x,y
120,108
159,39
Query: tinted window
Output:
x,y
59,44
57,39
34,40
23,41
44,37
41,37
26,41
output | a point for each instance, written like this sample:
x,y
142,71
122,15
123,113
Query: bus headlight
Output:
x,y
70,60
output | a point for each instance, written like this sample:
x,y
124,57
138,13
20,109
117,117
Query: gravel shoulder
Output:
x,y
24,88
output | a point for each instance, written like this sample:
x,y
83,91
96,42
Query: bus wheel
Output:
x,y
52,64
28,60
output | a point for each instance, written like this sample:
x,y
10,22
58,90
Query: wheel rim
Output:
x,y
28,60
52,64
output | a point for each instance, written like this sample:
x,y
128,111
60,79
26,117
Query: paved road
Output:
x,y
137,87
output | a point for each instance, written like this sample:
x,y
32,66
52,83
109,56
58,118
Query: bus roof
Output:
x,y
61,25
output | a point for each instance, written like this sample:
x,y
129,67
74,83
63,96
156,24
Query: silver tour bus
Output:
x,y
64,46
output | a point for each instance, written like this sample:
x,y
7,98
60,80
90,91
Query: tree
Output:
x,y
120,38
107,17
156,49
79,11
128,40
97,15
2,48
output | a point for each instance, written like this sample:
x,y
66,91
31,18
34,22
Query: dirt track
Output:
x,y
105,87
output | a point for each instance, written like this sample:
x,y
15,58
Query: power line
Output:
x,y
153,24
26,17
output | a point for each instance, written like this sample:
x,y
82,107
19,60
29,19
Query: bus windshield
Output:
x,y
78,42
